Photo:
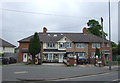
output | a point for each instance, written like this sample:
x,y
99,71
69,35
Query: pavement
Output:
x,y
50,72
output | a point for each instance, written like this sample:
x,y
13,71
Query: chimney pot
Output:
x,y
44,30
85,30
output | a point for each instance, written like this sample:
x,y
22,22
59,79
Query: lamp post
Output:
x,y
109,35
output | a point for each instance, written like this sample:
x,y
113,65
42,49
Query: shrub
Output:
x,y
118,59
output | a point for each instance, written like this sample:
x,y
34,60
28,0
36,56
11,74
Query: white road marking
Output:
x,y
113,81
80,77
21,72
116,80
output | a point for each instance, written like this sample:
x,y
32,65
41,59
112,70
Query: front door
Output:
x,y
60,57
25,57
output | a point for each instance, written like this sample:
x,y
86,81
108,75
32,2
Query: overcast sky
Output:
x,y
22,19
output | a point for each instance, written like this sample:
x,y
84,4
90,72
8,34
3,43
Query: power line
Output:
x,y
50,14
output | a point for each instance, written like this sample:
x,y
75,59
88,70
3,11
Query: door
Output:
x,y
60,57
25,57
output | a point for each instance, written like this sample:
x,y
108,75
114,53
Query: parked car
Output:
x,y
82,60
5,60
8,60
12,60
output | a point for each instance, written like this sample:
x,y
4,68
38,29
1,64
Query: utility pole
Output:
x,y
109,35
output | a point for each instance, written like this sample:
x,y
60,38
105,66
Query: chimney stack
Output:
x,y
44,30
84,30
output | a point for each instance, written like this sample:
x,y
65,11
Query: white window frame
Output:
x,y
80,45
68,45
95,45
103,44
81,54
108,45
92,54
50,45
63,44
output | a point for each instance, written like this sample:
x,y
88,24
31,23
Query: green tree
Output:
x,y
95,28
114,48
97,53
34,46
114,51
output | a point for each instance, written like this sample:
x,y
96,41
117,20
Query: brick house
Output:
x,y
54,46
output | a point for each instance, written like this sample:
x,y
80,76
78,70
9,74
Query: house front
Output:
x,y
6,47
56,46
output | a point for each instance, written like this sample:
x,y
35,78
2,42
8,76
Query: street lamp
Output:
x,y
109,35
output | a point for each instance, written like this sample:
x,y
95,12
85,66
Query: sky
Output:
x,y
20,19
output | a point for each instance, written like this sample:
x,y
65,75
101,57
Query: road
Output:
x,y
54,73
111,76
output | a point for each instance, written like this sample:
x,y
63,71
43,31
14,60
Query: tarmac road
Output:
x,y
50,72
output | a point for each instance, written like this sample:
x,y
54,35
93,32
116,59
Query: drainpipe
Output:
x,y
75,57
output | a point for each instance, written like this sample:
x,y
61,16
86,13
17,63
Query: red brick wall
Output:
x,y
22,45
90,49
26,45
85,49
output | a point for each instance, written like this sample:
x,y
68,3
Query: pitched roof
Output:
x,y
75,37
4,43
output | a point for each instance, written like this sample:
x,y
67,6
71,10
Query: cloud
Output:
x,y
21,19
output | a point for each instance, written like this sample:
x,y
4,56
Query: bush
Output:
x,y
1,55
114,62
70,65
118,59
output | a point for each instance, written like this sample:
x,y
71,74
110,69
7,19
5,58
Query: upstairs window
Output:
x,y
108,45
80,45
68,45
62,45
51,45
95,45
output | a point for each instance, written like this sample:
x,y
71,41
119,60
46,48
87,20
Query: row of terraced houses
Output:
x,y
55,46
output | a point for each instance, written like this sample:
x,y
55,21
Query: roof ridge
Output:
x,y
62,32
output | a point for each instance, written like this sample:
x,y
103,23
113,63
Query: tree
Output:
x,y
114,48
95,28
97,53
34,46
115,51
